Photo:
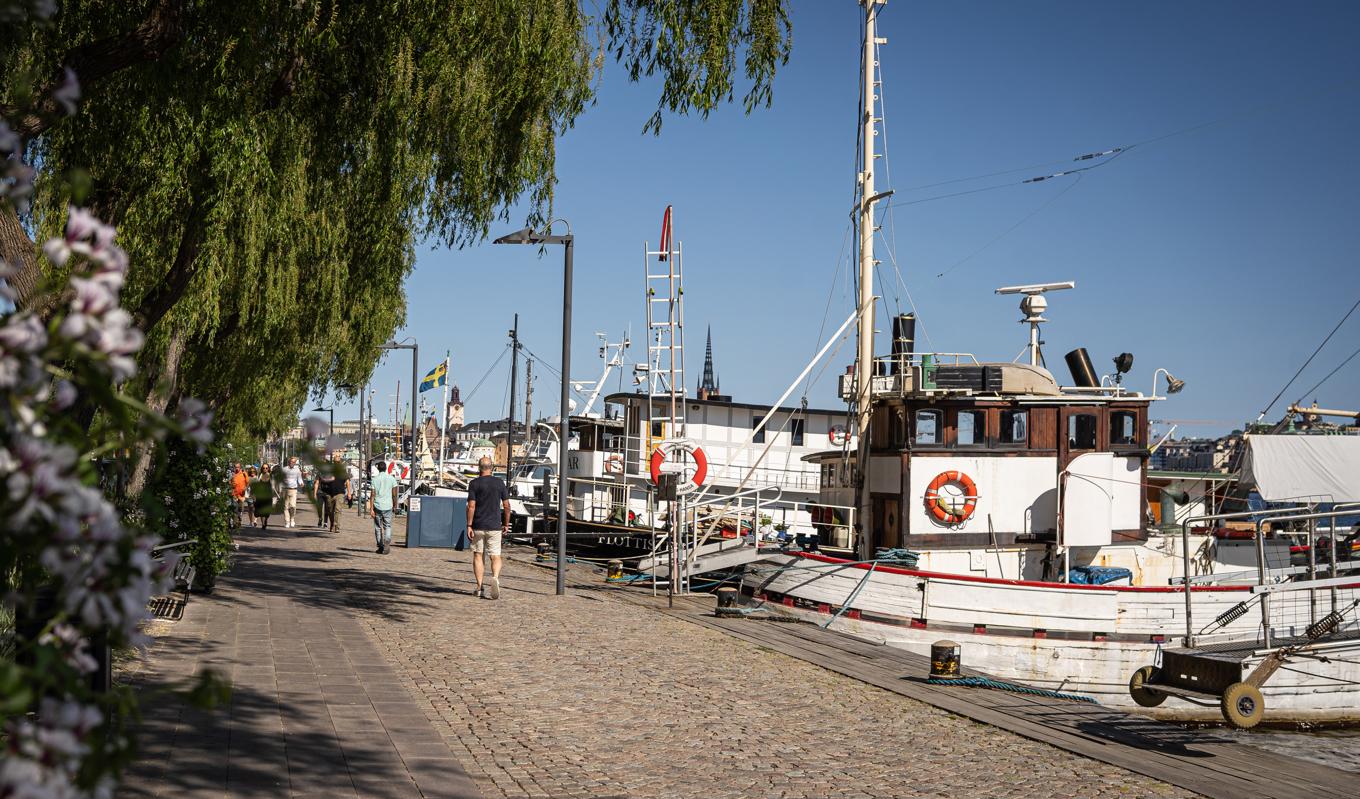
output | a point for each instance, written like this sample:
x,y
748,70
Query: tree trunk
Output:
x,y
164,384
16,248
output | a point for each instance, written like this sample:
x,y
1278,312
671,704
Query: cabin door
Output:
x,y
887,522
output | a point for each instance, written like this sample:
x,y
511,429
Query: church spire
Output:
x,y
709,384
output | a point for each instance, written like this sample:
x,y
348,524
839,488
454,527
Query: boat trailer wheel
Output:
x,y
1243,706
1140,694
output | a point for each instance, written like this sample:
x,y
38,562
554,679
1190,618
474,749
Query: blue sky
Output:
x,y
1224,254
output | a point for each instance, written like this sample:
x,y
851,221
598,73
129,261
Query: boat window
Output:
x,y
796,428
759,437
658,429
928,424
1081,431
1123,428
972,428
1014,428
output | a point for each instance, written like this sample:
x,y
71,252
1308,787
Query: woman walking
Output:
x,y
262,492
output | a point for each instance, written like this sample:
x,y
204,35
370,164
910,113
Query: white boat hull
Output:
x,y
1076,639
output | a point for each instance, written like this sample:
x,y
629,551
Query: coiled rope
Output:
x,y
985,682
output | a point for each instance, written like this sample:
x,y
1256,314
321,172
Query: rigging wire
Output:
x,y
486,374
1310,360
1003,234
1328,377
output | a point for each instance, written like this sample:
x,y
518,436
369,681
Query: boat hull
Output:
x,y
1076,639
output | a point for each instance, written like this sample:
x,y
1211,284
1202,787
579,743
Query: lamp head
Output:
x,y
1173,386
1123,362
523,236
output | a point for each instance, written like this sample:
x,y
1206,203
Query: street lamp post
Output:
x,y
330,428
414,347
528,236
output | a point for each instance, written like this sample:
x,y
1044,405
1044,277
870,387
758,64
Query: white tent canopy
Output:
x,y
1295,467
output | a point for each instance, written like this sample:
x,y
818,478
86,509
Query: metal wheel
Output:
x,y
1243,706
1141,695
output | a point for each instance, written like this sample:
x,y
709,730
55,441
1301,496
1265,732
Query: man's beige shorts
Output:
x,y
488,541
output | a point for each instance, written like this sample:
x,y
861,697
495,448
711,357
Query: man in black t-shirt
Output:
x,y
332,483
488,518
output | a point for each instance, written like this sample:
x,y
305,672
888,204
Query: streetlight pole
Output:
x,y
528,236
414,347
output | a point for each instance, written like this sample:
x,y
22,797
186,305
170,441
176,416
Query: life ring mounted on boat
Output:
x,y
673,448
613,463
943,508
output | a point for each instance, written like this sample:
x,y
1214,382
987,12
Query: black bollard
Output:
x,y
944,661
614,571
727,602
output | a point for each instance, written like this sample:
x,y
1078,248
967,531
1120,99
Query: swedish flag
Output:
x,y
437,377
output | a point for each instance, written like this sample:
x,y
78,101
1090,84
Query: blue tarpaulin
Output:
x,y
1097,575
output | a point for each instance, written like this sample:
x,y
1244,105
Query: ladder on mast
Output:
x,y
663,269
664,272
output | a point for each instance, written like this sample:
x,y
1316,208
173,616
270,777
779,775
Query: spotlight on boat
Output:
x,y
1123,362
1173,386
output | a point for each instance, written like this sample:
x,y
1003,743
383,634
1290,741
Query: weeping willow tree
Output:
x,y
271,165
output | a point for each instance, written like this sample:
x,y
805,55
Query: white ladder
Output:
x,y
664,271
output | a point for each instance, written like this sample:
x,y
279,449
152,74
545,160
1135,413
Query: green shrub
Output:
x,y
195,496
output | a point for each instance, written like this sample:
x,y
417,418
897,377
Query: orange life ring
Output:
x,y
613,463
944,512
659,457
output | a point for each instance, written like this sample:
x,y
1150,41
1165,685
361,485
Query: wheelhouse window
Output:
x,y
1081,431
1123,429
929,428
972,429
796,429
759,437
1014,430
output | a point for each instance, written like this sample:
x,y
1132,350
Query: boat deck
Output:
x,y
1199,760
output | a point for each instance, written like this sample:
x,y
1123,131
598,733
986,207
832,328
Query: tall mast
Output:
x,y
864,365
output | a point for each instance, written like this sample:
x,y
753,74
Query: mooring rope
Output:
x,y
986,682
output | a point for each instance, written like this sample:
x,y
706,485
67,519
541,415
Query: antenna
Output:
x,y
1033,307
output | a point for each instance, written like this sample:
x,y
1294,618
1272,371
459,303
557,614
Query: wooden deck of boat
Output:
x,y
1197,760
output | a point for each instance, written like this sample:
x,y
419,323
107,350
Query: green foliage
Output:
x,y
271,166
194,499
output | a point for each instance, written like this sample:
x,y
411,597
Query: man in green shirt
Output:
x,y
382,498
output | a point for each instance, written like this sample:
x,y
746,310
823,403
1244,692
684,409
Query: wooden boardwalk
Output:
x,y
1197,760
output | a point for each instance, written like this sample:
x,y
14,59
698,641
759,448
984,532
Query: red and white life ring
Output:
x,y
941,508
838,435
613,463
672,447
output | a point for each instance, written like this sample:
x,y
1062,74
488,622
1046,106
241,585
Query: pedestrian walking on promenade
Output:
x,y
353,471
329,488
382,498
239,482
292,482
262,497
488,518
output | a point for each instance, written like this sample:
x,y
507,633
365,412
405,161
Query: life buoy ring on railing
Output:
x,y
613,463
941,507
838,435
670,448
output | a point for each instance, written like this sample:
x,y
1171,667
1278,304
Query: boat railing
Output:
x,y
1271,620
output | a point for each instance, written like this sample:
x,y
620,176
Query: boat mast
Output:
x,y
864,364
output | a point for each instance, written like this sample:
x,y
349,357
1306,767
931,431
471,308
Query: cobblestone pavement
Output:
x,y
590,696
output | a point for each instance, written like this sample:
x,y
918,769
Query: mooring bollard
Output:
x,y
727,602
944,661
543,551
614,571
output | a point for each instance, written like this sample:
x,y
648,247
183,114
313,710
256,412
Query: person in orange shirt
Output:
x,y
239,480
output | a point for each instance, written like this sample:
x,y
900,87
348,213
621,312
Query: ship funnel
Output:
x,y
903,340
1079,364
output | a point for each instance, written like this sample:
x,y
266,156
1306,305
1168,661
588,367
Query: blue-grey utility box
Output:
x,y
437,522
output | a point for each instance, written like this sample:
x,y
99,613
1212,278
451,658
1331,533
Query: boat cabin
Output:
x,y
998,454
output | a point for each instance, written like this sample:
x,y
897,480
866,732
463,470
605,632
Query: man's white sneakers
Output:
x,y
494,591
